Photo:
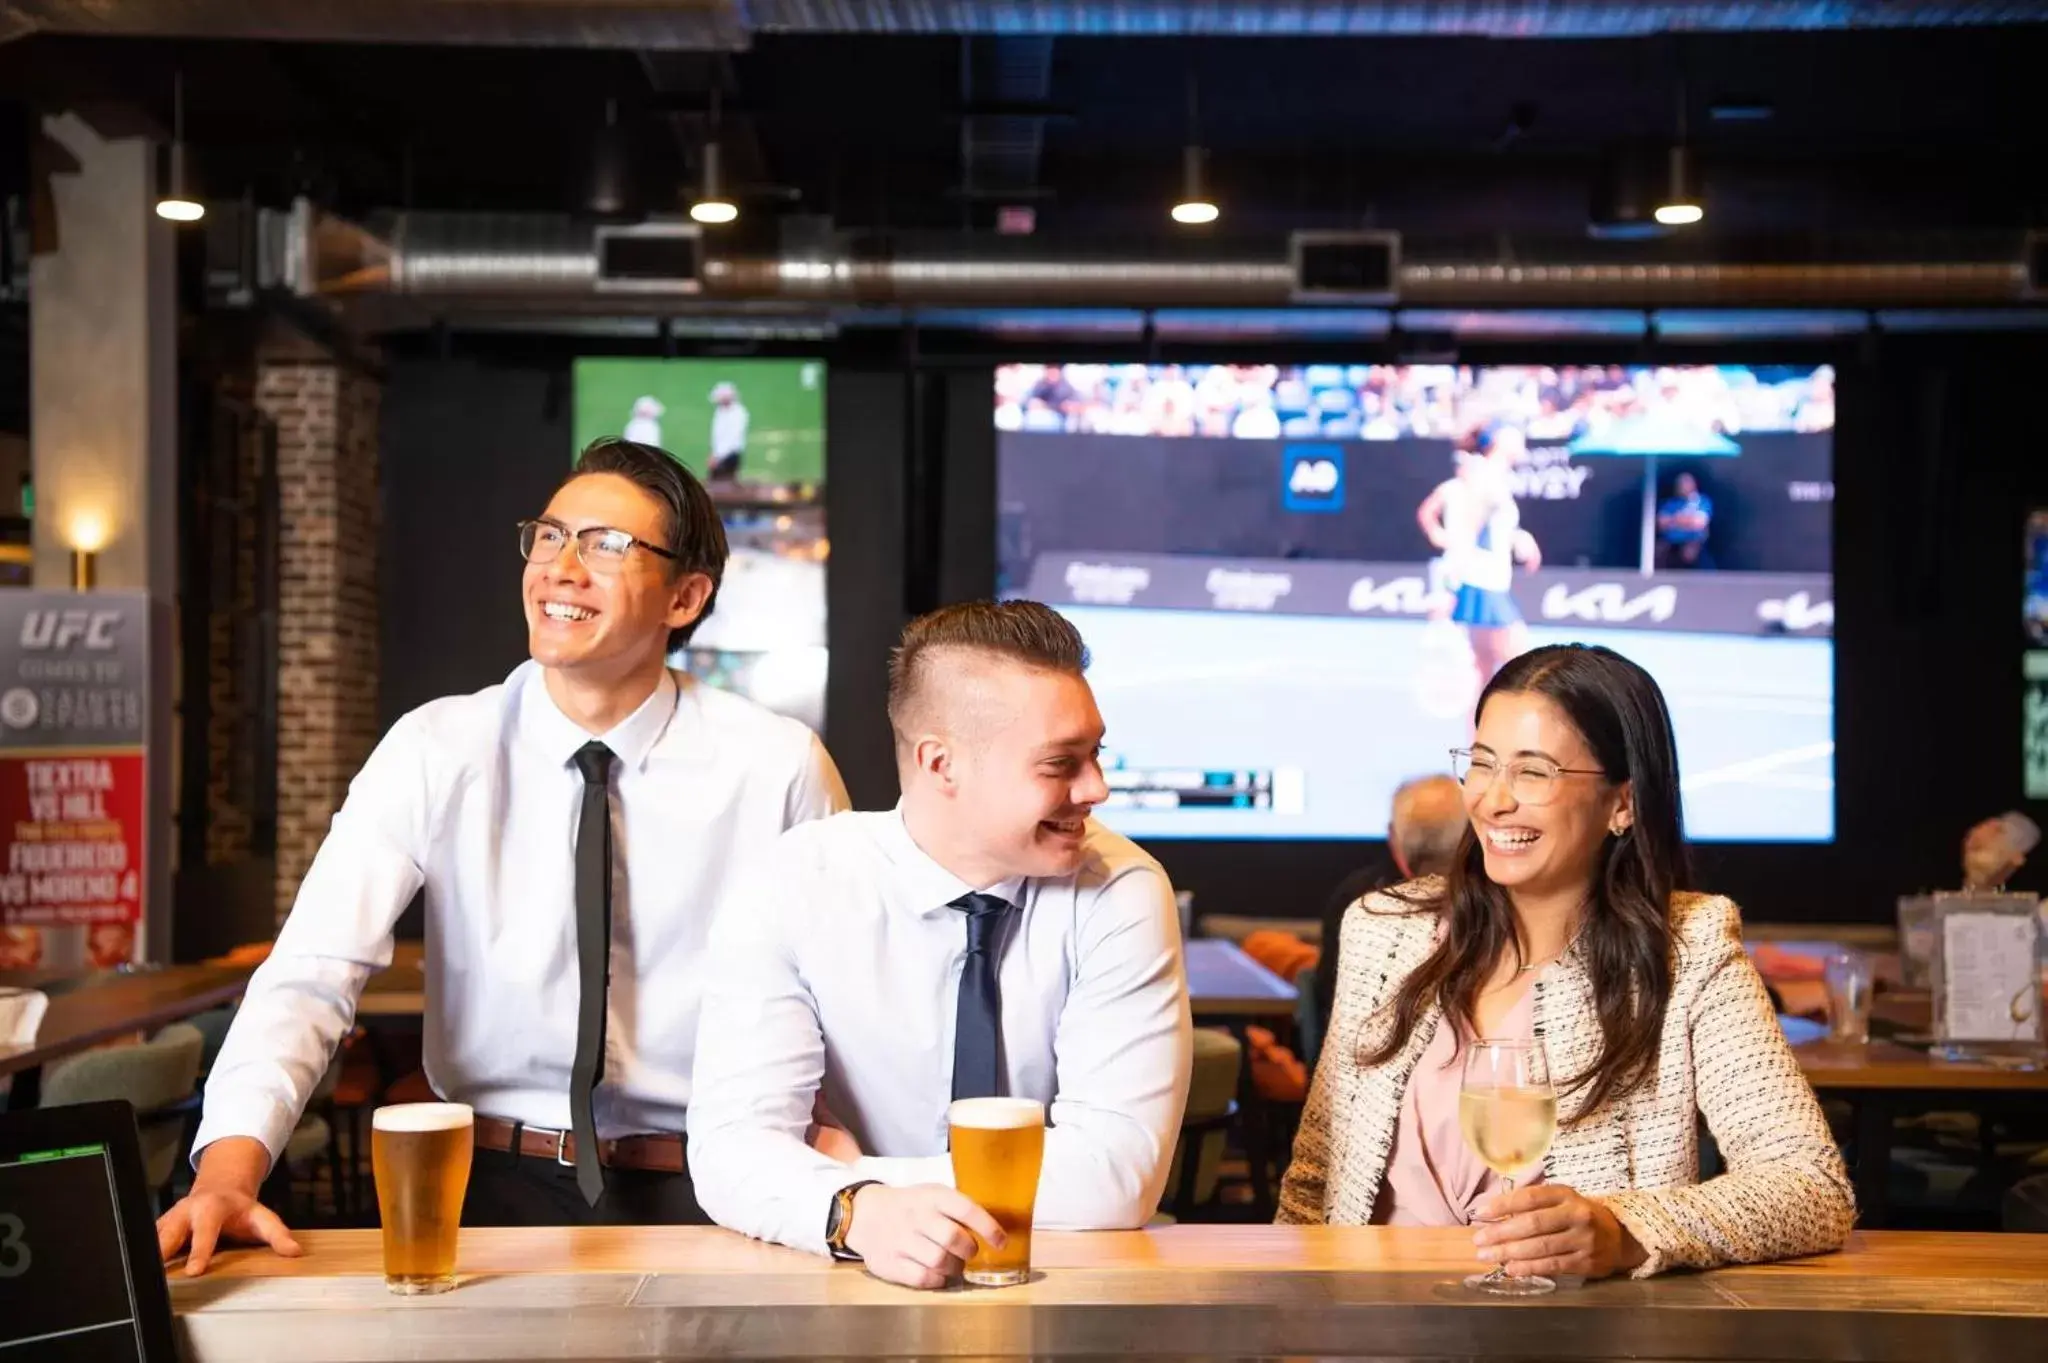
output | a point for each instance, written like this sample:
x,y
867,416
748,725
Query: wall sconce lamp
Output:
x,y
88,537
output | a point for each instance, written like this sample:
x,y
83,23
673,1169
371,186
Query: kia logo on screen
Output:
x,y
1797,612
1608,603
1395,596
1312,478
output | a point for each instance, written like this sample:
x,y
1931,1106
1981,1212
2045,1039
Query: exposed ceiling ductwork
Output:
x,y
668,25
1366,18
730,24
496,261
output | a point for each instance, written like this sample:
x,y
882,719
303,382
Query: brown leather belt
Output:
x,y
658,1154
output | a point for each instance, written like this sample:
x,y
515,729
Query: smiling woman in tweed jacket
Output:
x,y
1561,923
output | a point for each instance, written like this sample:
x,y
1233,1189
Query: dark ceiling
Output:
x,y
1895,129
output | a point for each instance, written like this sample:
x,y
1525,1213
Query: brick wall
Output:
x,y
326,415
230,468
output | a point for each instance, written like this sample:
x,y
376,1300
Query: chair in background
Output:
x,y
1211,1109
158,1079
1308,1019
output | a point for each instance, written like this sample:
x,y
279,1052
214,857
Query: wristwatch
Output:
x,y
839,1221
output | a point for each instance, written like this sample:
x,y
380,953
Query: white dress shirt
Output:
x,y
476,799
838,972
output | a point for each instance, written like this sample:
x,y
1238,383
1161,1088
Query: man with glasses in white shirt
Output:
x,y
984,938
573,829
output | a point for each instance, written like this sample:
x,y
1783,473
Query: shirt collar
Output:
x,y
631,739
926,887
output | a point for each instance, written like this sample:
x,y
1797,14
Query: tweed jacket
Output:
x,y
1785,1191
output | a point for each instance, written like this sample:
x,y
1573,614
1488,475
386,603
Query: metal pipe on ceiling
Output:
x,y
509,257
729,25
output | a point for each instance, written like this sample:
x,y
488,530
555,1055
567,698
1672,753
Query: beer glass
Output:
x,y
998,1144
1507,1112
420,1153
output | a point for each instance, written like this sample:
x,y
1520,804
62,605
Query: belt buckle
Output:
x,y
562,1144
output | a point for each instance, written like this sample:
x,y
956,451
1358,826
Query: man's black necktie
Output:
x,y
978,1029
593,958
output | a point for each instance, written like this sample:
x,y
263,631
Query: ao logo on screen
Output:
x,y
1312,478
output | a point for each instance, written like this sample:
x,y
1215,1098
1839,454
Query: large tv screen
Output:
x,y
754,431
1295,579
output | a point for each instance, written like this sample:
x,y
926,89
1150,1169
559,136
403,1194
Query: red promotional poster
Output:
x,y
73,789
72,827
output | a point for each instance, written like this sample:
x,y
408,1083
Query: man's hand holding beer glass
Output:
x,y
921,1236
223,1205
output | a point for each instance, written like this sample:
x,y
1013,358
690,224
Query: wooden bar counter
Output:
x,y
1187,1292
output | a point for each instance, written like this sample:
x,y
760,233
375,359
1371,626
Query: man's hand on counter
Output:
x,y
223,1205
919,1237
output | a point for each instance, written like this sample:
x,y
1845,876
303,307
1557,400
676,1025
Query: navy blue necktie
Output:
x,y
978,1028
593,959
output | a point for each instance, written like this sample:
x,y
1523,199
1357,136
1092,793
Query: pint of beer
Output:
x,y
998,1144
420,1153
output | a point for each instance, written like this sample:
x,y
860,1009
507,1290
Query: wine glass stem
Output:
x,y
1500,1270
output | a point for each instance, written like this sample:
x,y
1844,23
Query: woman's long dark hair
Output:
x,y
1626,938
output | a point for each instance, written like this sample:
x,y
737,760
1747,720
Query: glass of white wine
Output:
x,y
1508,1114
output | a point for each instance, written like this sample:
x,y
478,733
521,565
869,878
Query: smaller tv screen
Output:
x,y
754,431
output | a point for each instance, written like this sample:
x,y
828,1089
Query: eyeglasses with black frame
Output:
x,y
602,549
1531,780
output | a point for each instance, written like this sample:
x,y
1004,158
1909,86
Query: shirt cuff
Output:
x,y
255,1118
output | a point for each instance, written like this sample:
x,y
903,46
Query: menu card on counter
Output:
x,y
1987,972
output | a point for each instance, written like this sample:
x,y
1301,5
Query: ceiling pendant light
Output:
x,y
178,205
1681,206
712,207
1195,206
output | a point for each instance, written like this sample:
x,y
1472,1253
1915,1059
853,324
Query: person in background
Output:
x,y
644,426
580,820
728,433
1563,922
1989,855
1427,823
1684,521
984,938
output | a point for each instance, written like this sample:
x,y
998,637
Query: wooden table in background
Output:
x,y
632,1293
1223,982
90,1010
1883,1081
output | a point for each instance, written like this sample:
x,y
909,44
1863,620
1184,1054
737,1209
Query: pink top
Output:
x,y
1433,1178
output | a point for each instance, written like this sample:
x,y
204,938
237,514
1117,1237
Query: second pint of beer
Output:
x,y
998,1144
420,1153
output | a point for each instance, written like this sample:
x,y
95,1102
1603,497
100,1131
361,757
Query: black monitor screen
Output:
x,y
64,1271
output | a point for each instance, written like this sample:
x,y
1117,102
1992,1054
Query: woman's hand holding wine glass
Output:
x,y
1508,1113
1541,1232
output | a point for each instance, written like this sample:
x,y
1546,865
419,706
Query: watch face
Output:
x,y
836,1218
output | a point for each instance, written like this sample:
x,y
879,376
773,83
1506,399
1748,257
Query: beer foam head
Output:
x,y
996,1114
422,1117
